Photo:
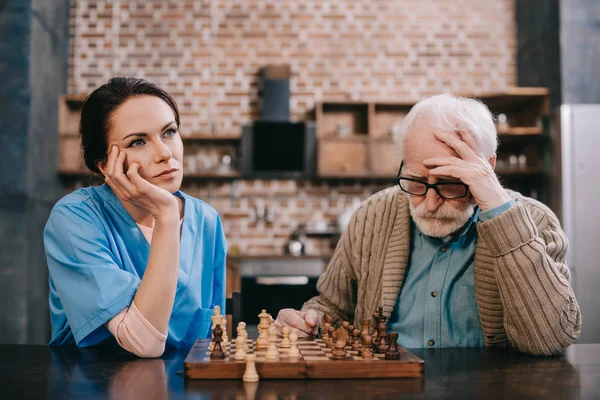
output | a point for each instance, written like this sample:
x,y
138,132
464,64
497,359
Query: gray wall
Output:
x,y
33,70
580,51
538,46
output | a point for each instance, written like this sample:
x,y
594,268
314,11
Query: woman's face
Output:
x,y
144,128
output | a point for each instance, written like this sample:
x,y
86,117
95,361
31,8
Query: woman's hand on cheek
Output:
x,y
131,187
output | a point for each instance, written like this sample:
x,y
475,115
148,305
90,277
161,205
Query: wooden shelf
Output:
x,y
522,130
75,100
212,175
519,171
206,137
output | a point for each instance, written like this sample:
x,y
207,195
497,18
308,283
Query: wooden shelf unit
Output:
x,y
71,164
340,154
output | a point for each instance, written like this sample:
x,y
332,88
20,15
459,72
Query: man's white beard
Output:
x,y
441,222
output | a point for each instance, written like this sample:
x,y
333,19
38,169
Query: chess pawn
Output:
x,y
356,345
325,330
262,342
241,331
392,351
225,341
350,332
250,374
382,337
294,352
240,344
345,325
331,338
367,353
285,343
272,353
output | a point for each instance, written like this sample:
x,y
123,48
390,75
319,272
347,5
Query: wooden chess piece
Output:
x,y
331,338
382,337
250,374
365,327
345,325
367,353
356,345
217,353
272,353
294,351
339,348
262,342
241,331
325,335
285,343
350,332
216,318
240,344
392,351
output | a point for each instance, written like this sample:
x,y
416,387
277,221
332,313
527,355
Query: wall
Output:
x,y
33,61
207,54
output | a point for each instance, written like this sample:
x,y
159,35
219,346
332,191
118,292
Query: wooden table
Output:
x,y
39,372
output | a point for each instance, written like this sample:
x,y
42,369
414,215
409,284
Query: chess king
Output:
x,y
453,258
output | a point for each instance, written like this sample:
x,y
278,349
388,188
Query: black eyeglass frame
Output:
x,y
428,186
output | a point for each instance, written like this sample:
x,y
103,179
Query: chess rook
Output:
x,y
392,351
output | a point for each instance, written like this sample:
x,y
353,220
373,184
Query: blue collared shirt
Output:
x,y
436,306
97,256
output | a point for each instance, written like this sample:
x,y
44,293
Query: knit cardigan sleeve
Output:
x,y
336,286
541,314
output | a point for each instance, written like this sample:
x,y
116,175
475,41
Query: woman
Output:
x,y
134,260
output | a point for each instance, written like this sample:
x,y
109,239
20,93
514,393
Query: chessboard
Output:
x,y
315,362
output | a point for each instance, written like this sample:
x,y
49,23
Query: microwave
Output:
x,y
278,150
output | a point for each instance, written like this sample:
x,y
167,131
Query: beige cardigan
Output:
x,y
521,277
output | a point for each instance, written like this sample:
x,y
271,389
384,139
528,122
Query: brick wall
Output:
x,y
207,55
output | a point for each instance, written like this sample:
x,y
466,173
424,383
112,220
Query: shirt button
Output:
x,y
433,294
443,249
431,343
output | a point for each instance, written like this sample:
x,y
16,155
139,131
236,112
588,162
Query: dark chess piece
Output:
x,y
217,353
350,332
382,335
339,348
366,352
356,345
392,351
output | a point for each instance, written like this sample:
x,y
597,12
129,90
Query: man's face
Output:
x,y
433,215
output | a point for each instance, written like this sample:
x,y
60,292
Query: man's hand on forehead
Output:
x,y
471,167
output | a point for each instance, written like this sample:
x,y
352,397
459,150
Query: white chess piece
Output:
x,y
262,342
241,331
217,319
285,343
225,341
240,344
250,374
272,353
294,352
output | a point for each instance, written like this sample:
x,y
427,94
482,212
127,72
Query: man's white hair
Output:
x,y
448,113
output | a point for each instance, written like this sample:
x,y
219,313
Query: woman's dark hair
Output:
x,y
102,103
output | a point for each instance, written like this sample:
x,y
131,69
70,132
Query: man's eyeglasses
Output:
x,y
446,190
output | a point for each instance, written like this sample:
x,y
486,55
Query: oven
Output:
x,y
277,283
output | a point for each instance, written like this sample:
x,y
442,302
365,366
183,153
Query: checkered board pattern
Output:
x,y
315,362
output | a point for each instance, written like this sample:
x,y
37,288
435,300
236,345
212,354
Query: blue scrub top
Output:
x,y
97,256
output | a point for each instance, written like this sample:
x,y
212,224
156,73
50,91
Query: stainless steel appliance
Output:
x,y
580,206
276,282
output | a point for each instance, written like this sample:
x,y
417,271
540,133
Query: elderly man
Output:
x,y
453,258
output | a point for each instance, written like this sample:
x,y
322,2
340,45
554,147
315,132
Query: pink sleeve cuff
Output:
x,y
136,334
